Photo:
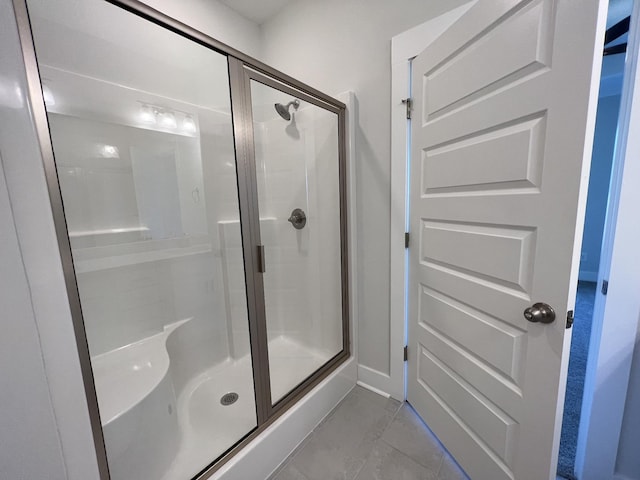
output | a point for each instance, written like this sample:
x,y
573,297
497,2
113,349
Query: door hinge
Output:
x,y
408,102
406,239
605,287
406,353
569,318
262,264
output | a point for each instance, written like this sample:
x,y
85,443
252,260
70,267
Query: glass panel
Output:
x,y
296,146
141,127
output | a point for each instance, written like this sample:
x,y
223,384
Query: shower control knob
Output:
x,y
540,313
298,219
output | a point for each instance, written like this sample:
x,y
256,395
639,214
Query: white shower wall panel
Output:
x,y
99,193
234,288
160,261
144,305
325,195
219,170
281,174
297,167
150,296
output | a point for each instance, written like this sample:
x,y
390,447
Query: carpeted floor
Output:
x,y
575,382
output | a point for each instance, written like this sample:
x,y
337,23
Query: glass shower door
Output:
x,y
141,127
190,340
298,183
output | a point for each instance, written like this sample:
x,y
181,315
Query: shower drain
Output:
x,y
229,398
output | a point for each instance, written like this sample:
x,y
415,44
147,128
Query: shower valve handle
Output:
x,y
298,219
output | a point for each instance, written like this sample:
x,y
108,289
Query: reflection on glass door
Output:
x,y
297,165
140,121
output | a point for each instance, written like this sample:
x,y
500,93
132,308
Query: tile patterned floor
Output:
x,y
369,437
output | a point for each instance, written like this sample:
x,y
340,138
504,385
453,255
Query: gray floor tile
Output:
x,y
369,396
356,425
387,463
342,443
322,460
370,437
450,470
290,472
409,435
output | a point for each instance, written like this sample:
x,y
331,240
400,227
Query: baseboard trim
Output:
x,y
374,380
373,389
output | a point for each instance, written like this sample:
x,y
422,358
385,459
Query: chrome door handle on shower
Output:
x,y
298,219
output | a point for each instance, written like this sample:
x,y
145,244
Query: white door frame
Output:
x,y
615,318
618,325
404,47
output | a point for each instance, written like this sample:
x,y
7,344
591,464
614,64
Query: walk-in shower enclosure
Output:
x,y
199,201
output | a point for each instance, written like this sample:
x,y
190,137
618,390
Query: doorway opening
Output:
x,y
599,193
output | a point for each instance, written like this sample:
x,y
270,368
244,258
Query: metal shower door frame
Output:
x,y
241,75
242,69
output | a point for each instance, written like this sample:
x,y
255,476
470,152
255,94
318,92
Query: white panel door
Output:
x,y
502,120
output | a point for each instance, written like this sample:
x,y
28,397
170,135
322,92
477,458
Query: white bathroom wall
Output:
x,y
338,45
216,20
297,164
31,447
44,422
628,460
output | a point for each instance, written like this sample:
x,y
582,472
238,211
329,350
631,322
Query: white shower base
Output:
x,y
208,428
161,427
290,362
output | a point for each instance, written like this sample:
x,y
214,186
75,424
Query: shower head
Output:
x,y
283,110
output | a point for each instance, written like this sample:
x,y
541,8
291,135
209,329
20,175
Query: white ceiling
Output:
x,y
260,11
257,11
